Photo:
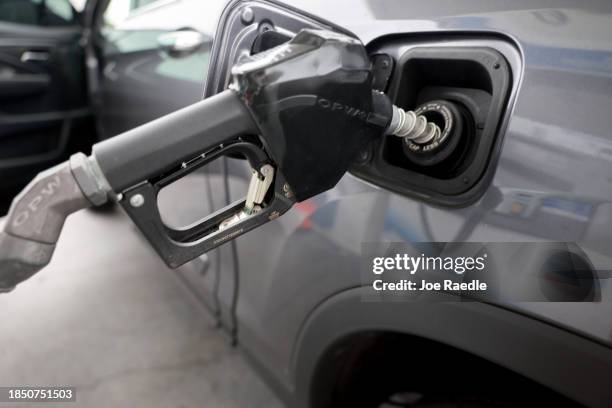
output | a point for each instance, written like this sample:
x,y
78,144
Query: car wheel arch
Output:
x,y
529,347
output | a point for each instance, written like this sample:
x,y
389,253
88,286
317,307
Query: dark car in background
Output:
x,y
536,80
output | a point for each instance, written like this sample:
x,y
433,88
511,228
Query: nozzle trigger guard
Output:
x,y
178,246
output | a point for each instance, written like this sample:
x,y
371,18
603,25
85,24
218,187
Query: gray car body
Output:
x,y
299,283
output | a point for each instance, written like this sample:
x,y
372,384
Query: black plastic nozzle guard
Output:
x,y
313,100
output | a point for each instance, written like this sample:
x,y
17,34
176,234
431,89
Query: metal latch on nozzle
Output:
x,y
258,188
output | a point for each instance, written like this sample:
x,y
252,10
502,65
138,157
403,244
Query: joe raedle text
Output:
x,y
423,285
435,266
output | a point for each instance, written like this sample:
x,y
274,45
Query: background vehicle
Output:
x,y
44,112
291,293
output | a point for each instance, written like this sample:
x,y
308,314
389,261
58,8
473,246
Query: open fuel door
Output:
x,y
251,27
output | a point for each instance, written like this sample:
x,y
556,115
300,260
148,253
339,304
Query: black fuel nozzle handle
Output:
x,y
305,108
37,215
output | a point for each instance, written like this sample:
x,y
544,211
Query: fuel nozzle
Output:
x,y
413,127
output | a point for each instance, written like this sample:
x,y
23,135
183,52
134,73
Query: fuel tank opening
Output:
x,y
463,89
